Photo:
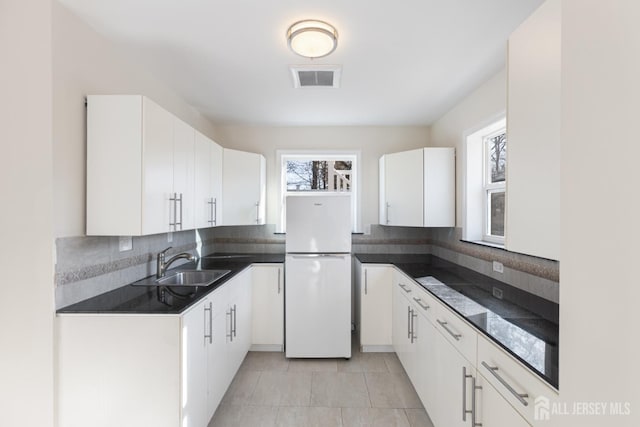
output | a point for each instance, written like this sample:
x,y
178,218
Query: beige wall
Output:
x,y
482,107
371,141
86,63
26,253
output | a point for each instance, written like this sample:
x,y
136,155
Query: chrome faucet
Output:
x,y
162,265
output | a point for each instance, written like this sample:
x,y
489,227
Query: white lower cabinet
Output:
x,y
454,391
239,319
196,329
268,308
374,293
153,370
442,355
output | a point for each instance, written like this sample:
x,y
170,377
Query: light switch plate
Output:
x,y
125,243
498,267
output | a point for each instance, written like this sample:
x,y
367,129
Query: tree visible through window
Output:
x,y
318,175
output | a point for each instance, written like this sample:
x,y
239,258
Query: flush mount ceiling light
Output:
x,y
312,38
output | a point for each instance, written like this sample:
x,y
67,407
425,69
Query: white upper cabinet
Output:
x,y
417,188
129,166
141,171
243,188
533,127
208,182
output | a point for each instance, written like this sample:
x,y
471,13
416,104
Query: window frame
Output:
x,y
323,155
490,188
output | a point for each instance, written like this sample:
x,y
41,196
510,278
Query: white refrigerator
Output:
x,y
318,276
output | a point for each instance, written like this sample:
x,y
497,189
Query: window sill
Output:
x,y
484,243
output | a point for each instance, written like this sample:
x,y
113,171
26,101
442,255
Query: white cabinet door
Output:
x,y
439,187
204,203
219,366
492,410
196,328
208,182
454,390
239,321
157,176
426,372
376,305
244,183
534,131
183,174
216,183
267,307
403,192
401,324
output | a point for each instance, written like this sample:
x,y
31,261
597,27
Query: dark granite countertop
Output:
x,y
139,299
523,324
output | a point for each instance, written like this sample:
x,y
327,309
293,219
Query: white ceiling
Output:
x,y
404,63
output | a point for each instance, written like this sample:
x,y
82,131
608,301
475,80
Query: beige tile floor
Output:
x,y
370,389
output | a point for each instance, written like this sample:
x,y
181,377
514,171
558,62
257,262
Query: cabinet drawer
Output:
x,y
512,379
457,331
406,283
424,303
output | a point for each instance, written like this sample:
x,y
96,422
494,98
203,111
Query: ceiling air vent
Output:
x,y
318,76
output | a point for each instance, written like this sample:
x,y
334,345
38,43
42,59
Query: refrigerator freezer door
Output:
x,y
318,305
319,224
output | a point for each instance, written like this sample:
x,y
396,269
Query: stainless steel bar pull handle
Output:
x,y
215,211
453,334
180,200
404,288
465,411
408,322
211,204
257,212
365,282
174,201
419,302
413,326
279,273
230,334
235,320
210,334
387,212
474,412
494,372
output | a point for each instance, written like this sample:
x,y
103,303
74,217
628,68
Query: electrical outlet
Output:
x,y
125,243
497,292
170,237
498,267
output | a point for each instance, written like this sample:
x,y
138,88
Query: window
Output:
x,y
495,162
485,183
319,173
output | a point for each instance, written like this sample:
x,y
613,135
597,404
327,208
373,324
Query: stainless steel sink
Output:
x,y
190,278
